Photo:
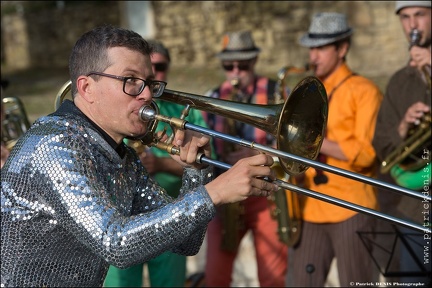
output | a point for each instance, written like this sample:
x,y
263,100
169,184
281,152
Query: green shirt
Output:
x,y
170,182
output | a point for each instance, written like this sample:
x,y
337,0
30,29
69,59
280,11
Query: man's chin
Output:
x,y
138,133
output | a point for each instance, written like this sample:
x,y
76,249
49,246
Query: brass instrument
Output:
x,y
408,156
281,94
231,213
298,126
15,122
64,90
415,38
286,210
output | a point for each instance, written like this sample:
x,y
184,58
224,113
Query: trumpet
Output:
x,y
406,163
298,125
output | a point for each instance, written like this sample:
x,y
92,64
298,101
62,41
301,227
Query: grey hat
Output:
x,y
158,47
326,28
238,46
403,4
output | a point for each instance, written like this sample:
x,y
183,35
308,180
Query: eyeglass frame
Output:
x,y
125,79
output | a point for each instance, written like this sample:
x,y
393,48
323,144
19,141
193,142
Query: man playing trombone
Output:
x,y
76,199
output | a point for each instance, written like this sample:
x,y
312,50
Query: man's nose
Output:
x,y
146,94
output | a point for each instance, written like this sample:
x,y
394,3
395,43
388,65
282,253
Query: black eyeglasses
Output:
x,y
133,86
240,66
160,67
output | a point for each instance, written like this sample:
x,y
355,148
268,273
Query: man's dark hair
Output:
x,y
340,42
90,51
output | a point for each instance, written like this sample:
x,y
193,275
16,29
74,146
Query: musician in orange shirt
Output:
x,y
330,231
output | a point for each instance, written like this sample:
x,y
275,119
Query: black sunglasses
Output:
x,y
240,66
160,67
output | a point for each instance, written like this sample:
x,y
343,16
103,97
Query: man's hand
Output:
x,y
420,57
243,180
412,117
191,145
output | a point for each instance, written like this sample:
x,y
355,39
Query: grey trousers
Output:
x,y
320,243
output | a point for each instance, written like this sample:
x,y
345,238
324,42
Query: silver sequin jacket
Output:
x,y
71,206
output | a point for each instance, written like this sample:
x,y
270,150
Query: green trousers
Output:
x,y
166,270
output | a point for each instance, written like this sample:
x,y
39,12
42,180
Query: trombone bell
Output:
x,y
297,125
301,123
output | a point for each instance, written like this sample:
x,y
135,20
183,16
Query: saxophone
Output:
x,y
285,204
231,213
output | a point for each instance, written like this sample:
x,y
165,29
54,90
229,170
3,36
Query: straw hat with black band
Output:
x,y
326,28
238,46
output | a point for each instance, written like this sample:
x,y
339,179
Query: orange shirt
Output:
x,y
353,110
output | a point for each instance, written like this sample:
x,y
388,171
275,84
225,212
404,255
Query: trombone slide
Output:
x,y
282,184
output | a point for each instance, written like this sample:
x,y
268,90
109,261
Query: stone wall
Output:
x,y
377,46
43,37
193,31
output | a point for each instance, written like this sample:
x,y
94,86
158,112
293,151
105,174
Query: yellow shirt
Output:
x,y
353,110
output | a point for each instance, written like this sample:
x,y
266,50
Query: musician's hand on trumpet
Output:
x,y
244,179
412,117
420,57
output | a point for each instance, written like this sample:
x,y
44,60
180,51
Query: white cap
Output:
x,y
403,4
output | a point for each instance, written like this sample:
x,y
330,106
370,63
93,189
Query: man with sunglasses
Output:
x,y
225,232
167,172
76,199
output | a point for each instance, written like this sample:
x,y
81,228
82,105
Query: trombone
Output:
x,y
298,126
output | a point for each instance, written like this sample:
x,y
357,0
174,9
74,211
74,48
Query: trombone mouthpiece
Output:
x,y
146,113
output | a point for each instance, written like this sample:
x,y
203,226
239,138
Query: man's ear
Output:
x,y
343,49
85,88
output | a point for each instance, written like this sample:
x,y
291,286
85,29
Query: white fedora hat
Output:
x,y
403,4
326,28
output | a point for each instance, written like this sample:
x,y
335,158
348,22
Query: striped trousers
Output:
x,y
320,243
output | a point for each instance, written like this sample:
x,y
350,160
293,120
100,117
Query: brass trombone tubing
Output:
x,y
274,152
329,199
321,166
183,124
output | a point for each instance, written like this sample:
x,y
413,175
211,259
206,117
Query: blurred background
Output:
x,y
37,37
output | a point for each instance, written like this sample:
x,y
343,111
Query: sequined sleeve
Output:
x,y
71,205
